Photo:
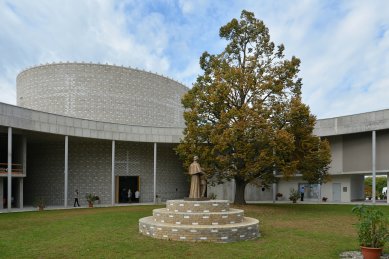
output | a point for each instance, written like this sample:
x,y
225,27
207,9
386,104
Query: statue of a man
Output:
x,y
195,172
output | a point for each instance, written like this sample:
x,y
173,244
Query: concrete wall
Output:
x,y
284,187
382,150
256,193
363,122
344,180
45,173
336,143
90,169
225,191
172,179
102,93
42,122
357,152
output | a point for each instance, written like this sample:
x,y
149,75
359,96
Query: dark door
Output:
x,y
127,183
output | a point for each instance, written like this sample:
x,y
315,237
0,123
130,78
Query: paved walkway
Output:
x,y
30,208
367,202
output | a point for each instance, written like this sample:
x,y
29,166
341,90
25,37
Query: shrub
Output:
x,y
294,195
91,197
372,227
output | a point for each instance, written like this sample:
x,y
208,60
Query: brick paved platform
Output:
x,y
211,221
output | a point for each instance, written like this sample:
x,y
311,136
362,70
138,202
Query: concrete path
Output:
x,y
30,208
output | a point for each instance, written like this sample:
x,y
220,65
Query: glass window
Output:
x,y
311,191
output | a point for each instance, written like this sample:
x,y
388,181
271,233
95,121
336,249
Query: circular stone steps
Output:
x,y
197,206
198,218
211,221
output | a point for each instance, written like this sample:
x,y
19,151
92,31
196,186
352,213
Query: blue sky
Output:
x,y
343,45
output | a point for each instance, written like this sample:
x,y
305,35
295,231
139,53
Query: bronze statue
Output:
x,y
195,182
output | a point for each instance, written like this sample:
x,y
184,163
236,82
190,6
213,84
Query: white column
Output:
x,y
320,198
66,172
274,184
24,161
373,161
21,193
9,170
1,193
155,172
387,186
113,174
24,156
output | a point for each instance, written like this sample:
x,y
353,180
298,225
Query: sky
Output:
x,y
343,45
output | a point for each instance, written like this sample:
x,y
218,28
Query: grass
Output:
x,y
288,231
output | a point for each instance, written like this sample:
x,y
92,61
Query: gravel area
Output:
x,y
357,255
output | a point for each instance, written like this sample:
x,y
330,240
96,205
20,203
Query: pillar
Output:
x,y
1,193
155,172
113,174
66,172
387,187
373,162
21,192
24,161
274,184
9,170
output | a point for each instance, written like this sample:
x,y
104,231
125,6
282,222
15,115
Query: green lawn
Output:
x,y
288,231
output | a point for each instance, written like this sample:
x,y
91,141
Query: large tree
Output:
x,y
244,115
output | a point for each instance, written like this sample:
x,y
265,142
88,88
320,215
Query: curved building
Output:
x,y
94,128
102,93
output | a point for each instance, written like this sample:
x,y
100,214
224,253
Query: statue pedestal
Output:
x,y
197,199
210,220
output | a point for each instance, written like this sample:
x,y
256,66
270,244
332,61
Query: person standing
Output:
x,y
76,196
302,190
137,195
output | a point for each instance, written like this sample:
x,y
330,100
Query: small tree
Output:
x,y
381,182
373,228
244,115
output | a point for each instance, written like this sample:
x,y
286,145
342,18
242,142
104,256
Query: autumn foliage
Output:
x,y
244,115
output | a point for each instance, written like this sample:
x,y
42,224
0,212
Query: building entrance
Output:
x,y
124,184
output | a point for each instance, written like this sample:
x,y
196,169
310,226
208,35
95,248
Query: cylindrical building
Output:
x,y
103,93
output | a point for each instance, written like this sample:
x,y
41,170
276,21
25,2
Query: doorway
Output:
x,y
336,192
124,184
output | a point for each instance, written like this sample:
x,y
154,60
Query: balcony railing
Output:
x,y
16,169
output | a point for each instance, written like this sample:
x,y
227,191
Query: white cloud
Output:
x,y
342,58
97,31
343,45
189,7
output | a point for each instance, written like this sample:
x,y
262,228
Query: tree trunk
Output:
x,y
239,191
